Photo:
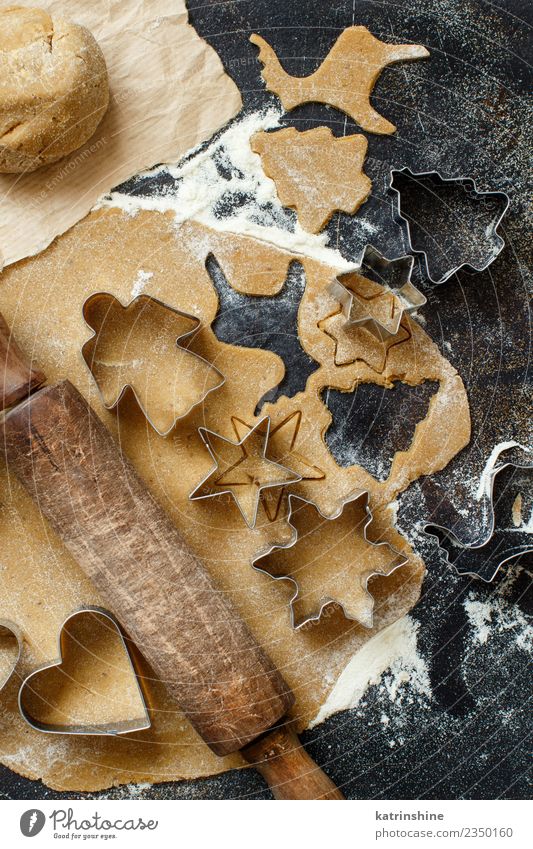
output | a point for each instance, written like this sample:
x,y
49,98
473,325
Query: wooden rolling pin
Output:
x,y
190,633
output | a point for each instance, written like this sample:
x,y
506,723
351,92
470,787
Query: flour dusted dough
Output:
x,y
53,88
40,584
315,172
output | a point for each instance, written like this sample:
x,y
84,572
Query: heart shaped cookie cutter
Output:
x,y
139,723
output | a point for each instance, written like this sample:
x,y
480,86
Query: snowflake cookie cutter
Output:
x,y
390,284
326,601
117,728
89,349
470,187
9,633
489,569
239,475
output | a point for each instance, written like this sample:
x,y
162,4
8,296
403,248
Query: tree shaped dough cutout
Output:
x,y
315,173
139,347
330,561
345,78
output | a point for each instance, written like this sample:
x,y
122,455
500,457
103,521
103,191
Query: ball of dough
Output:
x,y
53,88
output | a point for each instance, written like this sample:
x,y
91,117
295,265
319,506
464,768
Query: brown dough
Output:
x,y
315,173
40,584
53,88
345,79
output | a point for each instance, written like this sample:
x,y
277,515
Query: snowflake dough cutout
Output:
x,y
345,79
336,548
315,173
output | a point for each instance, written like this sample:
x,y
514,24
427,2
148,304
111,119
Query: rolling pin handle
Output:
x,y
287,768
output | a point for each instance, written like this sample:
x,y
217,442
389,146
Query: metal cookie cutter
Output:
x,y
382,307
120,727
484,559
108,302
365,617
495,243
9,634
242,469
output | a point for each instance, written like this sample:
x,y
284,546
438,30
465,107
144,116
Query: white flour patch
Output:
x,y
228,169
143,277
390,659
493,616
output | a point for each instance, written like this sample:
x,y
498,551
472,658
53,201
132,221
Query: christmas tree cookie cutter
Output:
x,y
495,242
390,293
140,723
102,307
239,476
260,561
450,545
10,634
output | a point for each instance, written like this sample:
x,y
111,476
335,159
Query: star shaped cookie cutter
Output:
x,y
240,477
88,352
383,297
116,728
399,560
489,569
471,188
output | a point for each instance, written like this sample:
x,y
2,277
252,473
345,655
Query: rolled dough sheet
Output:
x,y
40,584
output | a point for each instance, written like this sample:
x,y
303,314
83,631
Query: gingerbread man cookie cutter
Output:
x,y
89,354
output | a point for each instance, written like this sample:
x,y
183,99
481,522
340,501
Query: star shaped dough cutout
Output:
x,y
380,294
356,342
242,469
330,561
282,447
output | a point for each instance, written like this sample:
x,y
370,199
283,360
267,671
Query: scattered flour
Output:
x,y
228,168
393,651
143,277
491,616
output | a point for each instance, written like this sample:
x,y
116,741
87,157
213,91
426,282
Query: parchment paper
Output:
x,y
169,92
